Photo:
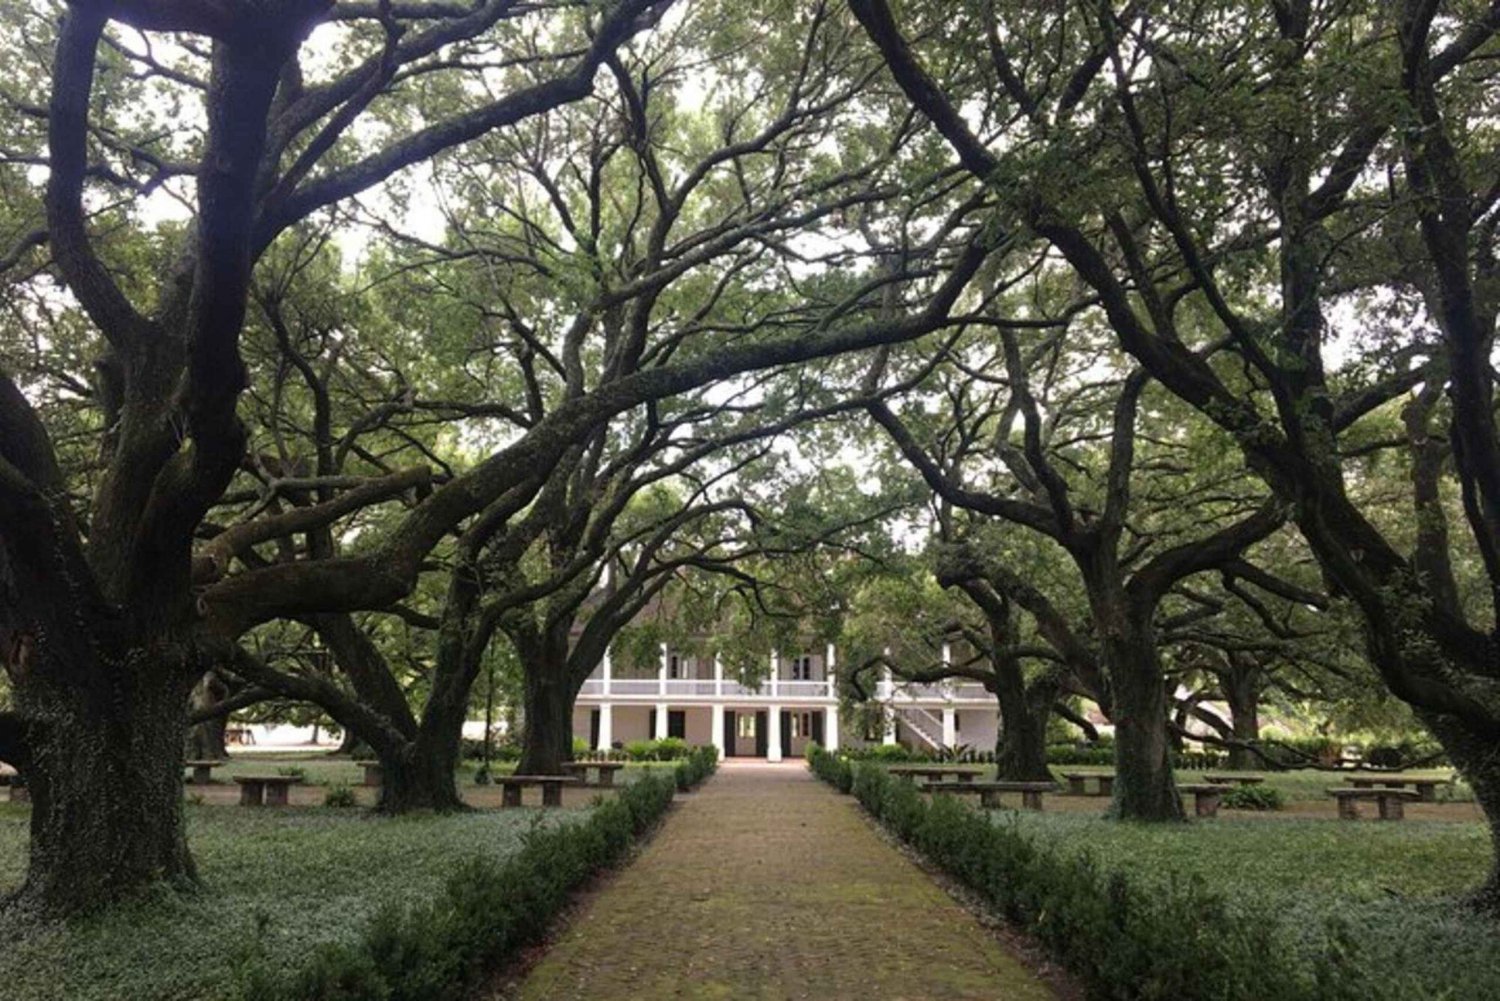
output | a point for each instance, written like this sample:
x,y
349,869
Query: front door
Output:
x,y
593,728
677,723
731,735
817,727
760,734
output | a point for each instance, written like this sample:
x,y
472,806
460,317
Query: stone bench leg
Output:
x,y
1348,808
1391,808
252,794
606,778
374,775
990,799
1426,792
552,794
1106,785
1032,800
965,777
1077,786
1206,804
202,775
510,796
276,795
20,794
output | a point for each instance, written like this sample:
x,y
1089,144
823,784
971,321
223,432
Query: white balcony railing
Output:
x,y
706,688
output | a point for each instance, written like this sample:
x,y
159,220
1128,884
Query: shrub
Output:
x,y
700,763
1072,754
580,747
639,750
1253,798
1123,937
488,911
669,749
830,768
339,795
891,753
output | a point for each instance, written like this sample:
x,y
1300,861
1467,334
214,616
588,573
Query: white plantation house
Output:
x,y
690,697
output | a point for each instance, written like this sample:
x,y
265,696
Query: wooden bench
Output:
x,y
374,773
552,787
203,771
1390,801
936,773
1206,798
989,792
1234,780
1426,788
1078,783
606,770
264,790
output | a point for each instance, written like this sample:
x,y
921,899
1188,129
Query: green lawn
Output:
x,y
278,880
1389,888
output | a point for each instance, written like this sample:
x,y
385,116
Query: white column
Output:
x,y
775,673
609,669
661,672
829,663
946,686
716,727
661,721
831,729
950,727
773,734
606,724
889,737
719,680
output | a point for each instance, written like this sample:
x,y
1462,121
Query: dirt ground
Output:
x,y
766,884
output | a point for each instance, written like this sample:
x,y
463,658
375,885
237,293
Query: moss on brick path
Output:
x,y
766,884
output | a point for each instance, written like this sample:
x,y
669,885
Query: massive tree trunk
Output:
x,y
1473,754
420,774
547,740
1021,745
206,740
1242,693
105,764
1144,786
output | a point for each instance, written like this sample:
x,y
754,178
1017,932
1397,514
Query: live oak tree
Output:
x,y
106,630
1030,437
1357,123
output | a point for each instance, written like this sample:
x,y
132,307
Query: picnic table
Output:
x,y
374,773
1426,788
203,771
1078,782
606,770
1391,802
1206,797
989,792
552,787
937,773
1234,780
265,790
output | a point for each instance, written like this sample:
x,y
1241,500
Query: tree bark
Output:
x,y
206,740
1242,693
105,775
1021,745
420,775
1144,785
547,738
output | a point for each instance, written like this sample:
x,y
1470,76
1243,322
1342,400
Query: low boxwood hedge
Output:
x,y
488,912
1124,938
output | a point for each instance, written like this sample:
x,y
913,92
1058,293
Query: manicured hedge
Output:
x,y
1123,938
488,913
830,768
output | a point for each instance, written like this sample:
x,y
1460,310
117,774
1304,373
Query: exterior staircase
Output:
x,y
927,726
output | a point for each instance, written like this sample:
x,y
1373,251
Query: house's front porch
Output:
x,y
738,730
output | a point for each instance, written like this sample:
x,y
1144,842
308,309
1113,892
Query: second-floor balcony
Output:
x,y
724,688
778,689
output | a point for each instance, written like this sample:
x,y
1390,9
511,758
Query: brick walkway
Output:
x,y
766,884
